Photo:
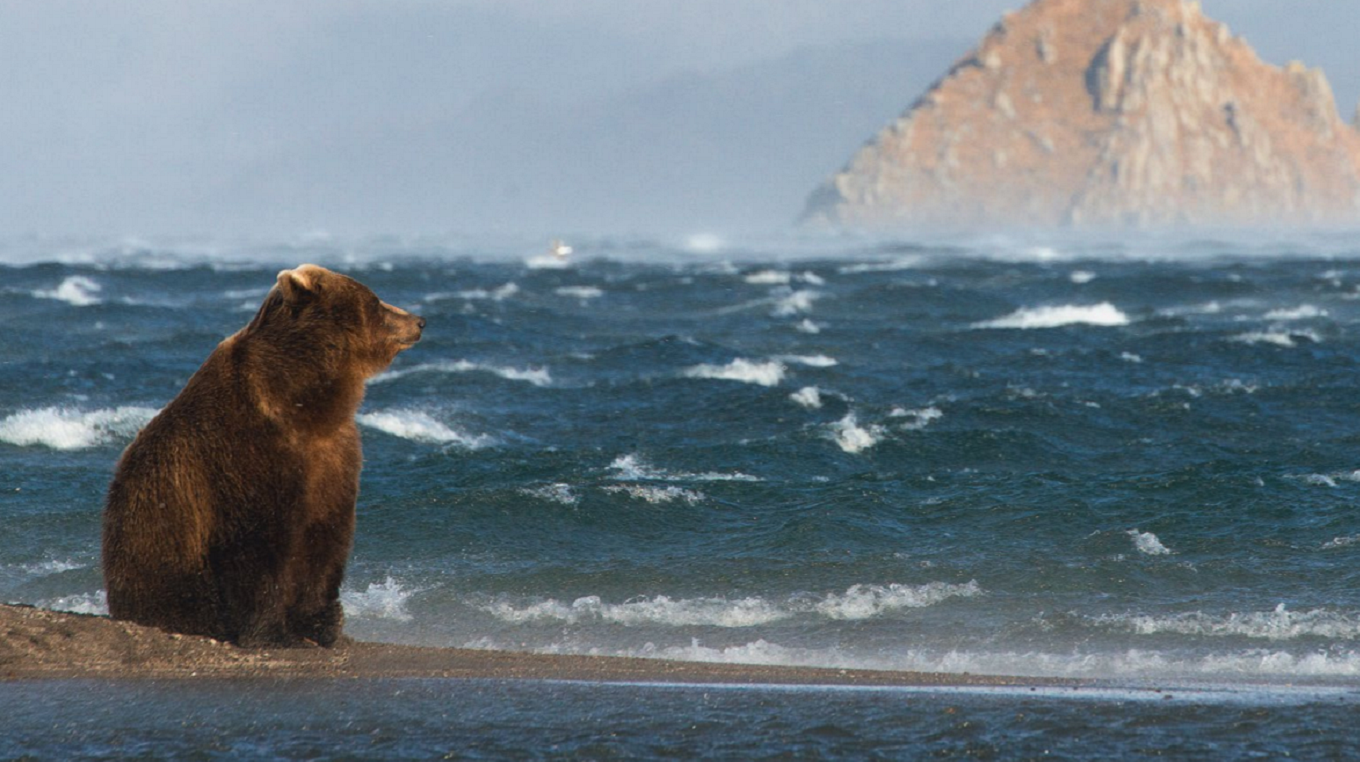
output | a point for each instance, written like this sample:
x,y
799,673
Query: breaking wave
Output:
x,y
63,428
1279,624
769,373
419,426
535,376
380,600
633,468
76,290
1103,314
859,602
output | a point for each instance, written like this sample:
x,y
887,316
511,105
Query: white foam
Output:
x,y
52,566
769,373
853,438
62,428
769,278
1341,542
809,397
553,493
535,376
859,602
380,600
1081,277
1286,339
873,601
894,265
1316,480
1148,544
809,327
1133,663
1131,357
796,303
1103,314
419,426
657,495
812,361
579,292
1302,312
96,603
919,418
711,612
633,468
498,294
1279,624
76,290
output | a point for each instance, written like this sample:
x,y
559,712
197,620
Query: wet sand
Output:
x,y
41,644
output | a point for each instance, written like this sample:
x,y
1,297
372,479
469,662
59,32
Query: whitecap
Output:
x,y
1279,624
1302,312
1148,544
710,612
76,290
380,600
1103,314
419,426
1081,277
62,428
762,373
859,602
1286,339
894,265
919,418
633,468
579,292
809,327
872,601
768,278
657,495
553,493
1316,480
811,361
853,438
809,397
535,376
498,294
796,303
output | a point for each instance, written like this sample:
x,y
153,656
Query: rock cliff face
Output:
x,y
1107,112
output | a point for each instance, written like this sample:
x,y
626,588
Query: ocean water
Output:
x,y
1131,461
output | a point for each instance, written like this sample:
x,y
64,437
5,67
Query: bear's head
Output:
x,y
312,308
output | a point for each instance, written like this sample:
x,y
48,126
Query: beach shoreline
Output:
x,y
43,644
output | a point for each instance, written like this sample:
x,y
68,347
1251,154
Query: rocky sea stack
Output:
x,y
1134,113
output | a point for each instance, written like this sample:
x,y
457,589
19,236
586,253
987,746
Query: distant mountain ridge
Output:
x,y
1106,113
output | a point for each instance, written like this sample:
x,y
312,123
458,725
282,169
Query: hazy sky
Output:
x,y
427,116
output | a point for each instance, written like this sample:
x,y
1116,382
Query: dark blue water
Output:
x,y
1135,462
457,719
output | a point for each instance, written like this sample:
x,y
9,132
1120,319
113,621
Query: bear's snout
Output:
x,y
406,327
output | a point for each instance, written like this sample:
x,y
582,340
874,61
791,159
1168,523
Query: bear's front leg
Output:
x,y
267,623
322,627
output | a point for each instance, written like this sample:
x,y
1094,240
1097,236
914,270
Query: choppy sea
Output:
x,y
1136,461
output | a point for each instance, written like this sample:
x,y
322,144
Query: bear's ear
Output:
x,y
297,282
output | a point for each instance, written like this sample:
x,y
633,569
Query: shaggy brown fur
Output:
x,y
232,513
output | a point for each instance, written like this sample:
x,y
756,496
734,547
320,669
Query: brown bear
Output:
x,y
232,513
